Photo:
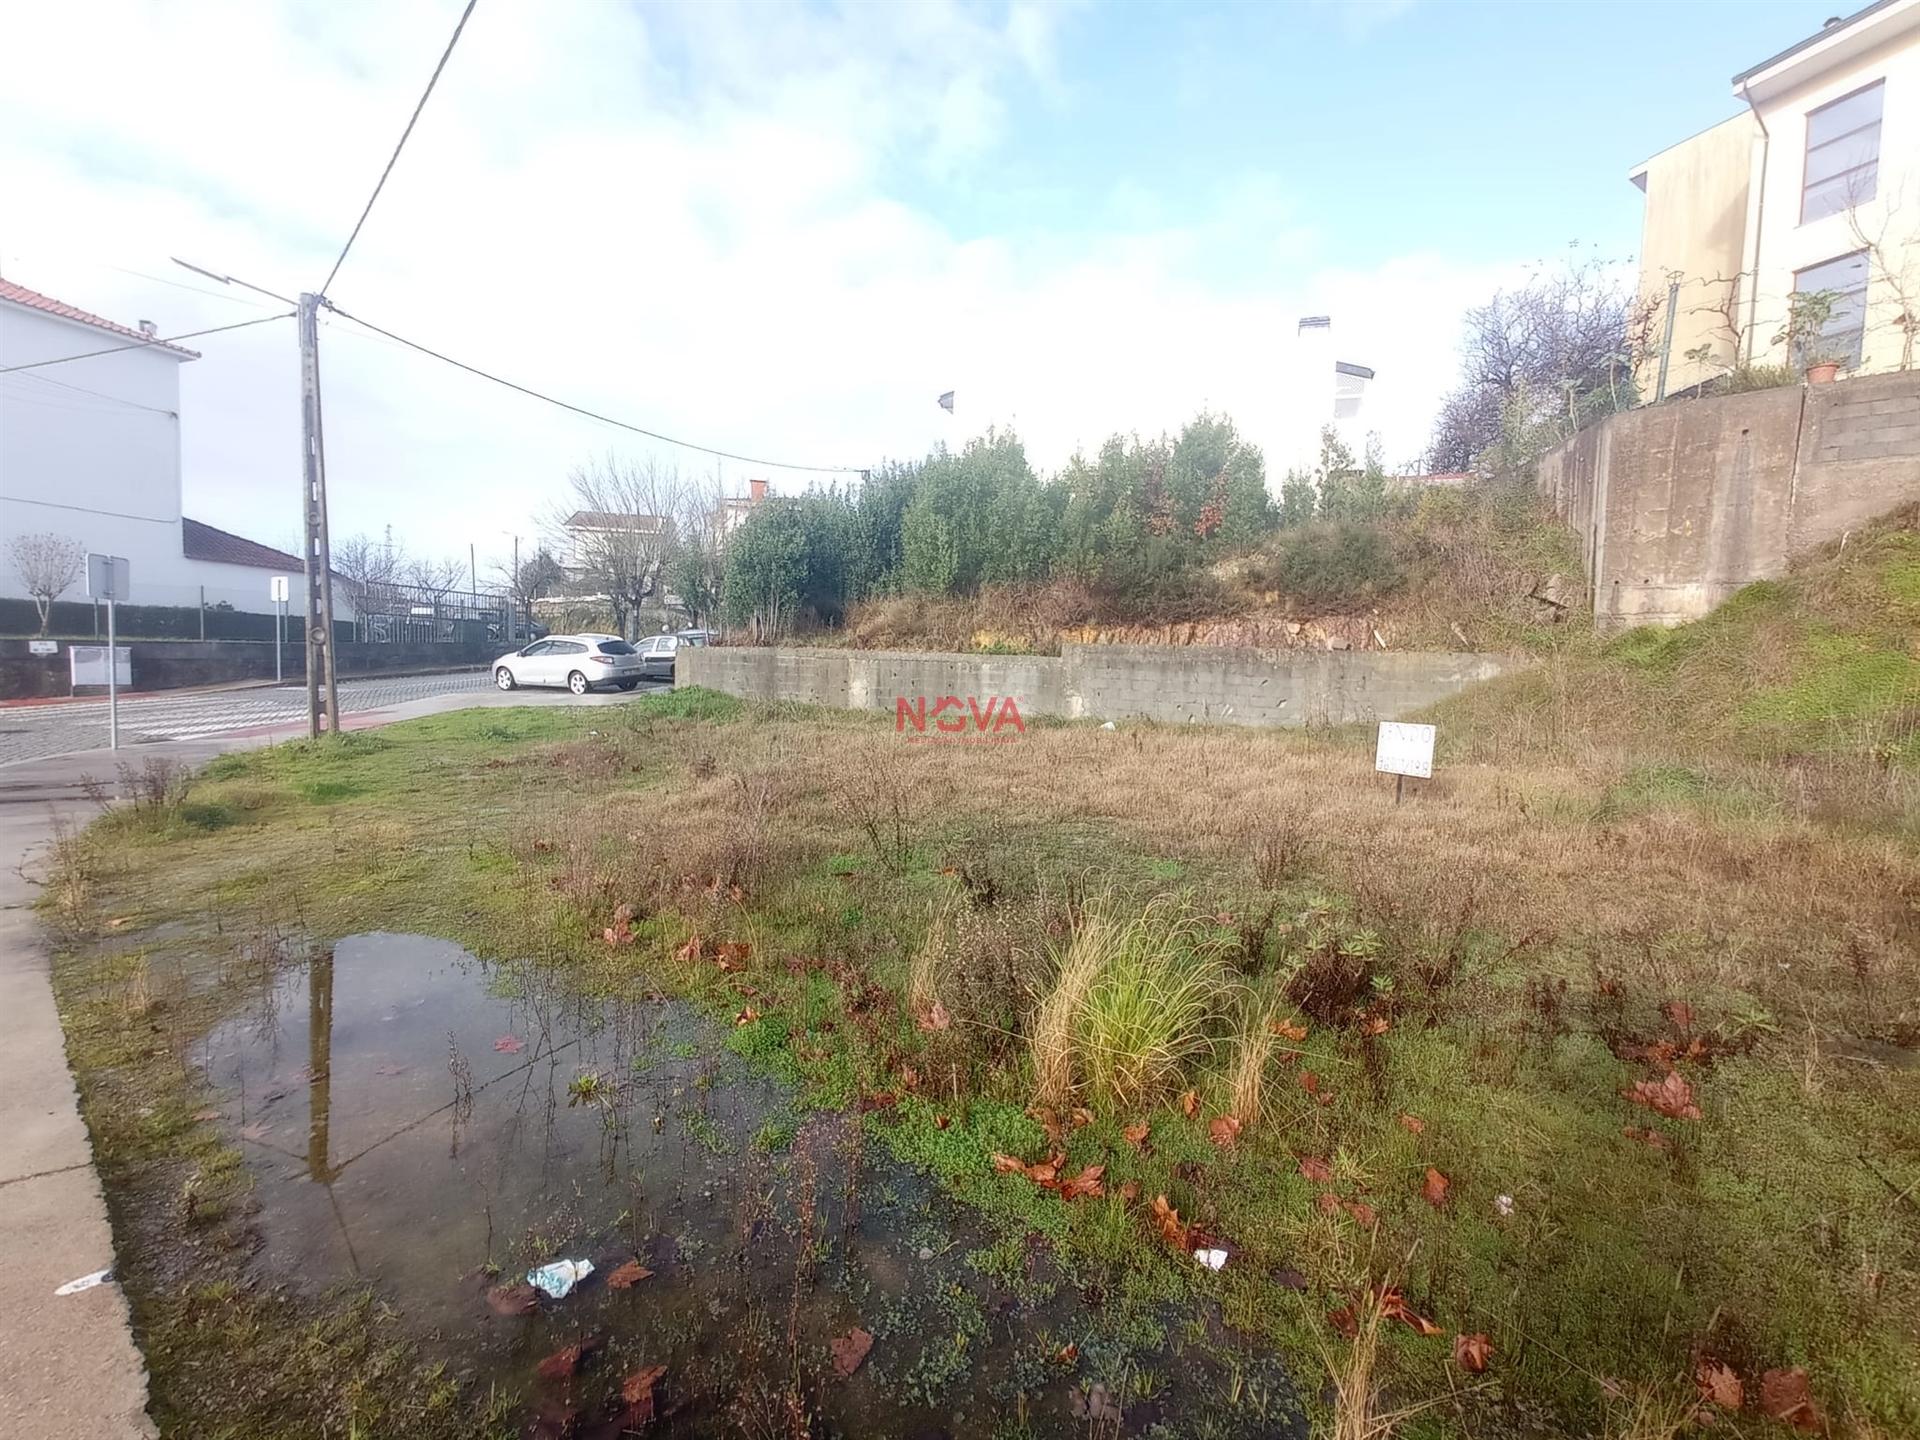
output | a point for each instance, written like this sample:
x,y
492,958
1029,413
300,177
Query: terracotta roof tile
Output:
x,y
34,300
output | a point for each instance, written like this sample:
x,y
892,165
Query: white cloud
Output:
x,y
680,215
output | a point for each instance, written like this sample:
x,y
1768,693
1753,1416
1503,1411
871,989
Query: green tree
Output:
x,y
766,569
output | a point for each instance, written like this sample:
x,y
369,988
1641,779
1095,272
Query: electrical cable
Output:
x,y
594,414
145,344
445,55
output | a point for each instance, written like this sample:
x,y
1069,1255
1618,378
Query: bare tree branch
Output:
x,y
47,565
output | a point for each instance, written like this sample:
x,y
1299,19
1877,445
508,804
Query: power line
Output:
x,y
145,344
594,414
100,395
445,55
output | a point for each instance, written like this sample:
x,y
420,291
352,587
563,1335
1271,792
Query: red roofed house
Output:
x,y
90,450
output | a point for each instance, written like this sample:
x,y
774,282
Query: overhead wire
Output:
x,y
412,120
145,344
594,414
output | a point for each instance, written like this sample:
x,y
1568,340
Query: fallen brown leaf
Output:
x,y
637,1391
1129,1191
935,1017
1067,1354
1190,1103
1670,1096
1287,1030
1328,1202
1472,1352
1435,1190
1309,1082
1375,1025
1173,1229
747,1016
513,1300
689,952
1224,1130
1785,1395
1362,1213
628,1276
562,1363
1719,1384
941,1122
1344,1321
1135,1135
1413,1124
1680,1013
1087,1182
849,1350
1318,1171
1081,1117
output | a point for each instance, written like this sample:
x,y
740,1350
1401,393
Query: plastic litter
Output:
x,y
1503,1205
1109,726
85,1282
1212,1259
557,1278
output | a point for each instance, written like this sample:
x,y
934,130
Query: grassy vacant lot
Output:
x,y
1595,1059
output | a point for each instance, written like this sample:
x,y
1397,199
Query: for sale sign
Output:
x,y
1404,749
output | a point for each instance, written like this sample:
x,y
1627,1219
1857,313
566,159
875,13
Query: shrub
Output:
x,y
1337,565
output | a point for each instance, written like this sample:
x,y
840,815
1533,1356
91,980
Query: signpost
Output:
x,y
43,647
278,590
108,578
1403,750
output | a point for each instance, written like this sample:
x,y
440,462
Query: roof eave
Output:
x,y
1778,73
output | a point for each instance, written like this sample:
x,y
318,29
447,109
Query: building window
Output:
x,y
1845,331
1843,153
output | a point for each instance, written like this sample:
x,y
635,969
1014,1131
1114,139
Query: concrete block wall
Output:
x,y
1169,683
1679,505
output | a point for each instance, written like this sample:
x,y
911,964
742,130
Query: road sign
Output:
x,y
87,664
43,647
278,589
108,576
1404,749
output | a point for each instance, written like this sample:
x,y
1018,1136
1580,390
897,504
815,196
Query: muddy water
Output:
x,y
435,1125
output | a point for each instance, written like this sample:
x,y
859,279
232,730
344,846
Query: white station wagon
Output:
x,y
579,662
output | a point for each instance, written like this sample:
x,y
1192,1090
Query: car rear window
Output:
x,y
615,647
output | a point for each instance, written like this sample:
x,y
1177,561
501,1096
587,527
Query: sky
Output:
x,y
784,229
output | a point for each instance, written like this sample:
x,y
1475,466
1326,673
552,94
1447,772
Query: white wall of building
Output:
x,y
1884,47
91,450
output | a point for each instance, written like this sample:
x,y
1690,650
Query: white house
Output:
x,y
90,449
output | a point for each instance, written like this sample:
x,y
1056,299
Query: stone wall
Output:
x,y
1679,505
1174,684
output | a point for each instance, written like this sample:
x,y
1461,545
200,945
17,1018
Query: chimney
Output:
x,y
149,329
756,490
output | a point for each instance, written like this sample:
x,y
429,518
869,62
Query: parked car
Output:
x,y
579,662
656,655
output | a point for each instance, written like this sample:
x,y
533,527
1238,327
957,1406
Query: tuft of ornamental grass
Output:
x,y
1131,1004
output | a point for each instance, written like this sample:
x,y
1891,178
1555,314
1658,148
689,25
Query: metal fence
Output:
x,y
389,613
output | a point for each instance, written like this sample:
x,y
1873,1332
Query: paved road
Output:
x,y
32,732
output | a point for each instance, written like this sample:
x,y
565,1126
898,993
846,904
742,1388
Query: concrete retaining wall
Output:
x,y
1679,505
1171,683
173,664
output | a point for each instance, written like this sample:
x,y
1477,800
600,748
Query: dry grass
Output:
x,y
1253,1047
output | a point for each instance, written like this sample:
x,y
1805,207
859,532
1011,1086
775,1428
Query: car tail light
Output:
x,y
603,659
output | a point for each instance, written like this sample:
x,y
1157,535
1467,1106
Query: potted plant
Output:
x,y
1808,312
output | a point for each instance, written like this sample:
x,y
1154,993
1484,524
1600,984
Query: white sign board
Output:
x,y
278,589
43,647
1404,749
88,664
107,577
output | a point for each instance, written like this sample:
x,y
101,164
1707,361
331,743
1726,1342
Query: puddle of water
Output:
x,y
413,1115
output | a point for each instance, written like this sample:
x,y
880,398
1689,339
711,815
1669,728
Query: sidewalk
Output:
x,y
69,1369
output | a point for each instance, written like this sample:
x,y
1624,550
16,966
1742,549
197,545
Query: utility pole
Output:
x,y
513,594
323,696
